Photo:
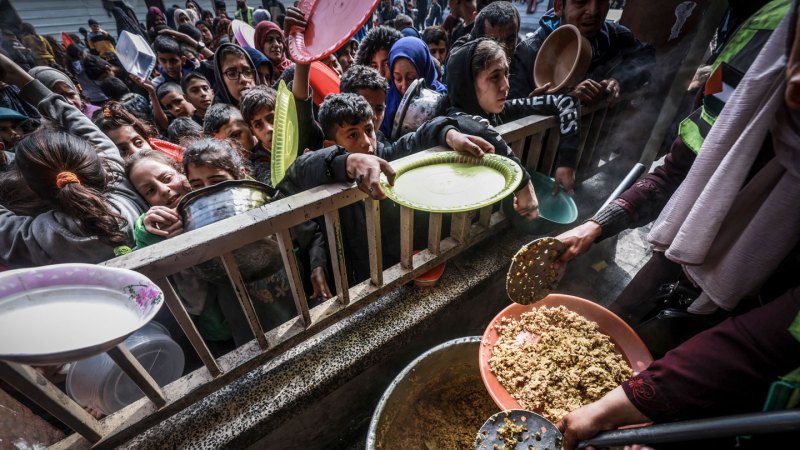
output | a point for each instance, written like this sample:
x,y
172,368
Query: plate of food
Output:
x,y
557,355
447,182
65,312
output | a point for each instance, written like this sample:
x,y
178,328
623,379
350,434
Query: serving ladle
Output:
x,y
532,274
520,429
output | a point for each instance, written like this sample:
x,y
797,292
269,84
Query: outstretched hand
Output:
x,y
295,18
366,170
474,145
525,202
565,176
11,73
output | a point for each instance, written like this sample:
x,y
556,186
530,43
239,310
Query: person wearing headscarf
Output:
x,y
261,15
262,63
181,17
222,29
409,59
233,58
126,21
156,21
59,83
269,40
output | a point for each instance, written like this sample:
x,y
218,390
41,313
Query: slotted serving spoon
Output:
x,y
520,429
532,275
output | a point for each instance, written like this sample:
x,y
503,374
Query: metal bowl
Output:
x,y
221,201
419,104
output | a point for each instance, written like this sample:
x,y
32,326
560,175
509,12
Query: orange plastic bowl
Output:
x,y
563,59
625,340
323,81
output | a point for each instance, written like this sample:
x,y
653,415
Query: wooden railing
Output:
x,y
533,139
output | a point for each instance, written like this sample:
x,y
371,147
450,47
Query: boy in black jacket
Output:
x,y
346,121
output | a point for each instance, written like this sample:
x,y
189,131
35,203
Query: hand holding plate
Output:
x,y
474,145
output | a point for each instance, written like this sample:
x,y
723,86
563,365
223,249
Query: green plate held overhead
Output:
x,y
284,134
447,182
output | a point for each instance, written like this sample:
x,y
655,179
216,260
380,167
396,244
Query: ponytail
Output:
x,y
67,169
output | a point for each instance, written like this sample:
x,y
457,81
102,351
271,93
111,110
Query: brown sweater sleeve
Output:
x,y
725,370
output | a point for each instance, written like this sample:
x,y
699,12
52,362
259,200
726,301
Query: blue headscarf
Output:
x,y
416,51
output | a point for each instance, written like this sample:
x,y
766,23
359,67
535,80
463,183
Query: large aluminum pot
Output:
x,y
221,201
437,401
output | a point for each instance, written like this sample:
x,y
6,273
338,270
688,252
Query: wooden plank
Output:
x,y
186,323
293,273
526,126
485,216
196,246
550,152
40,390
334,227
406,237
232,269
534,151
128,422
372,208
517,147
460,226
586,124
131,366
435,233
585,163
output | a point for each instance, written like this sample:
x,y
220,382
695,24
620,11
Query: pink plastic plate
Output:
x,y
339,20
625,340
244,33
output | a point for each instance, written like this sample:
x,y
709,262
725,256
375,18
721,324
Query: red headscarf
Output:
x,y
262,29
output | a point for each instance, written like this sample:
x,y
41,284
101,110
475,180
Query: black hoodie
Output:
x,y
223,96
463,101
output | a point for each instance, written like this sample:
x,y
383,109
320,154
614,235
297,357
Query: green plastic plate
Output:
x,y
447,182
284,134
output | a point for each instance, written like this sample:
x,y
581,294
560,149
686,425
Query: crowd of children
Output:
x,y
95,160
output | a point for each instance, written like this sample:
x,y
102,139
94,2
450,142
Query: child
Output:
x,y
94,206
436,40
368,83
235,73
226,122
347,121
477,76
200,94
59,83
258,111
170,97
131,135
170,60
99,40
183,131
346,54
11,130
374,49
409,59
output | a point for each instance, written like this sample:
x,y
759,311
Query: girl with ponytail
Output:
x,y
130,134
79,174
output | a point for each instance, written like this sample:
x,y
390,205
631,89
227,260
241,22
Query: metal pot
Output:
x,y
221,201
444,368
419,104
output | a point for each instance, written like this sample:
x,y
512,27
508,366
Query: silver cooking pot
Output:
x,y
419,104
221,201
